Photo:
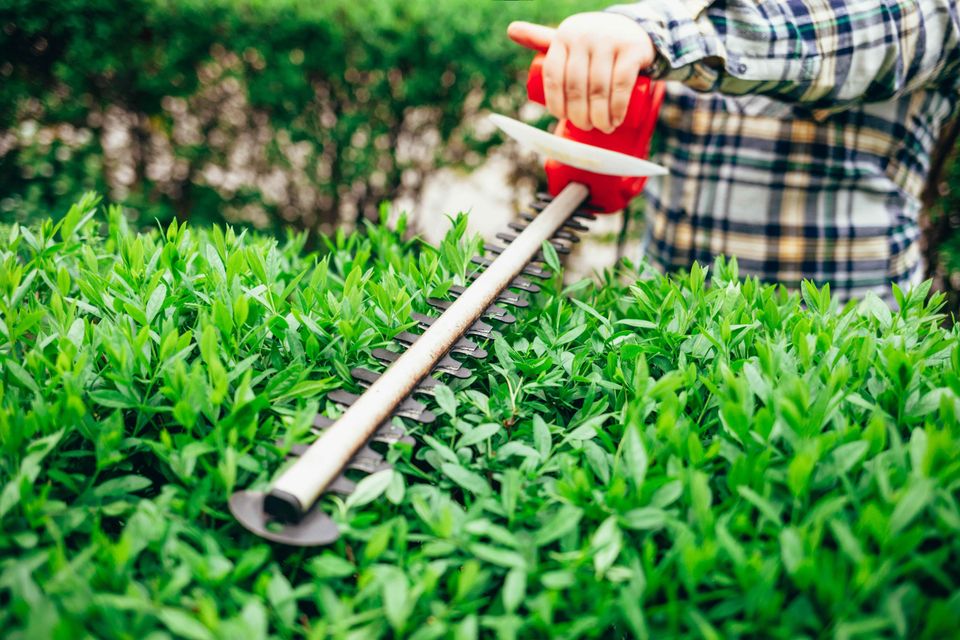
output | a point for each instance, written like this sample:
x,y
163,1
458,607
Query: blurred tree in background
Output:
x,y
270,113
275,113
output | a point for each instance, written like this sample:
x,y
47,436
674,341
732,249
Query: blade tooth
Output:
x,y
342,485
558,245
453,367
446,365
424,417
405,338
566,235
496,312
514,301
462,373
539,265
476,354
462,346
427,386
493,312
535,269
321,421
409,408
364,376
369,464
390,433
481,329
506,297
588,213
437,303
385,355
544,196
369,456
422,319
296,450
494,249
343,397
525,285
414,410
478,329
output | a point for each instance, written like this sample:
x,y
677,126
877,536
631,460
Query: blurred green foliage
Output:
x,y
280,112
273,113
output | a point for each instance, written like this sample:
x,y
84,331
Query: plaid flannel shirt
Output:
x,y
798,134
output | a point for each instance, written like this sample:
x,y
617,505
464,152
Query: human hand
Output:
x,y
591,65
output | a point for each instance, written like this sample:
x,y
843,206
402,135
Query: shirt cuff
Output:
x,y
688,50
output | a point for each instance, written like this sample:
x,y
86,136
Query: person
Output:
x,y
797,133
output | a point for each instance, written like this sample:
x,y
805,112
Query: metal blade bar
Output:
x,y
295,491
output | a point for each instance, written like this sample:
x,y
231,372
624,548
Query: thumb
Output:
x,y
531,36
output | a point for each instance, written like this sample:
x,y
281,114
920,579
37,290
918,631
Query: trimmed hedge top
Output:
x,y
641,456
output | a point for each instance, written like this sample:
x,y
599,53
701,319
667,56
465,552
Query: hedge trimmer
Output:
x,y
588,172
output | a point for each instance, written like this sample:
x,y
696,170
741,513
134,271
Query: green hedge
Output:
x,y
270,113
644,457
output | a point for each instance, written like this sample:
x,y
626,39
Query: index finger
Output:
x,y
531,36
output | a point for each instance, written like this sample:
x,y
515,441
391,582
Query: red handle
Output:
x,y
607,193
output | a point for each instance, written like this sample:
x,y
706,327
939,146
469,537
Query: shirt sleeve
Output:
x,y
821,52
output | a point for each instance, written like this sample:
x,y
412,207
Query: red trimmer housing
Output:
x,y
607,193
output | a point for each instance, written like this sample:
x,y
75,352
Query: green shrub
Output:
x,y
640,457
270,113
